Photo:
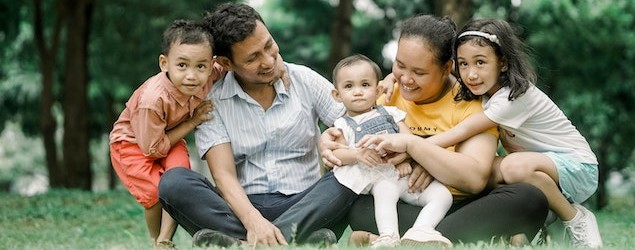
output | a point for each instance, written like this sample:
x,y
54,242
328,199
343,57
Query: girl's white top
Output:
x,y
534,123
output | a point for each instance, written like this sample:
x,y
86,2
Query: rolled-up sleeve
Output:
x,y
149,128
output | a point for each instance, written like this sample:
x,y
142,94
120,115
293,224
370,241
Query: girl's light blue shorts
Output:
x,y
578,181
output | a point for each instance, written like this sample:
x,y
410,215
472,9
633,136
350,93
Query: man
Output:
x,y
260,148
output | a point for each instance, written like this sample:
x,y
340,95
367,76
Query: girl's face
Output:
x,y
479,68
420,77
356,88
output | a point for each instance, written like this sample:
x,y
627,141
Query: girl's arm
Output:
x,y
469,127
399,158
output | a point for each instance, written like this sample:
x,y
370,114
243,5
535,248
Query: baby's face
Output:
x,y
189,66
357,88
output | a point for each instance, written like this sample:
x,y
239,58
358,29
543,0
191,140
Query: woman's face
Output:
x,y
420,77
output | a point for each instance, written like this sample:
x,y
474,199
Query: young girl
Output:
x,y
147,139
356,78
544,148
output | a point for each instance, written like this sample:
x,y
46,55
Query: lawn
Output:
x,y
64,219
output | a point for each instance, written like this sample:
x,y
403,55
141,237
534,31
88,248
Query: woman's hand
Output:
x,y
419,179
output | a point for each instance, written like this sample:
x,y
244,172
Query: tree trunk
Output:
x,y
459,10
341,32
601,194
75,102
112,118
47,69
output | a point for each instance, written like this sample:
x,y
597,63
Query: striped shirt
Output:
x,y
275,149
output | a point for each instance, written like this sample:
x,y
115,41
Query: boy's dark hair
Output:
x,y
230,23
438,33
354,59
520,73
185,32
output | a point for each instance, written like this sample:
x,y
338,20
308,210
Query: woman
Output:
x,y
425,90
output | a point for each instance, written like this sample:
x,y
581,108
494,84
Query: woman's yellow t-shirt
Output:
x,y
432,118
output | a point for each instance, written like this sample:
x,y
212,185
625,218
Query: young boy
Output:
x,y
147,139
364,171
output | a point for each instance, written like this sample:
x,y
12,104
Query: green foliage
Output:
x,y
19,88
125,44
21,155
585,51
301,29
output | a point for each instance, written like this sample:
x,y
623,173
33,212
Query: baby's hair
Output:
x,y
509,49
185,32
355,59
437,32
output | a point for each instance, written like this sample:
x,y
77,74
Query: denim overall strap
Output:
x,y
382,124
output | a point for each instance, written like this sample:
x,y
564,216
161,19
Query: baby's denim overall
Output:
x,y
382,124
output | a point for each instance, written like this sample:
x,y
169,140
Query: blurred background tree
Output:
x,y
70,65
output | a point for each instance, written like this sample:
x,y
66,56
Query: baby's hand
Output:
x,y
369,157
387,86
203,112
404,168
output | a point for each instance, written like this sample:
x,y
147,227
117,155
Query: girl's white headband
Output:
x,y
490,37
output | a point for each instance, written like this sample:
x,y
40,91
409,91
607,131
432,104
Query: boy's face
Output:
x,y
356,88
188,65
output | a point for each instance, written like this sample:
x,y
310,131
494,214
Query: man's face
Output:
x,y
255,58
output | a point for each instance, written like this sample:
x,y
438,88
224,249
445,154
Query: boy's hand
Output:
x,y
284,75
203,112
217,72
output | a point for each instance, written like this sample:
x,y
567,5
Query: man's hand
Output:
x,y
262,233
419,179
328,143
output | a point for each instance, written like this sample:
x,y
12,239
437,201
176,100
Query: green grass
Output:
x,y
65,219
